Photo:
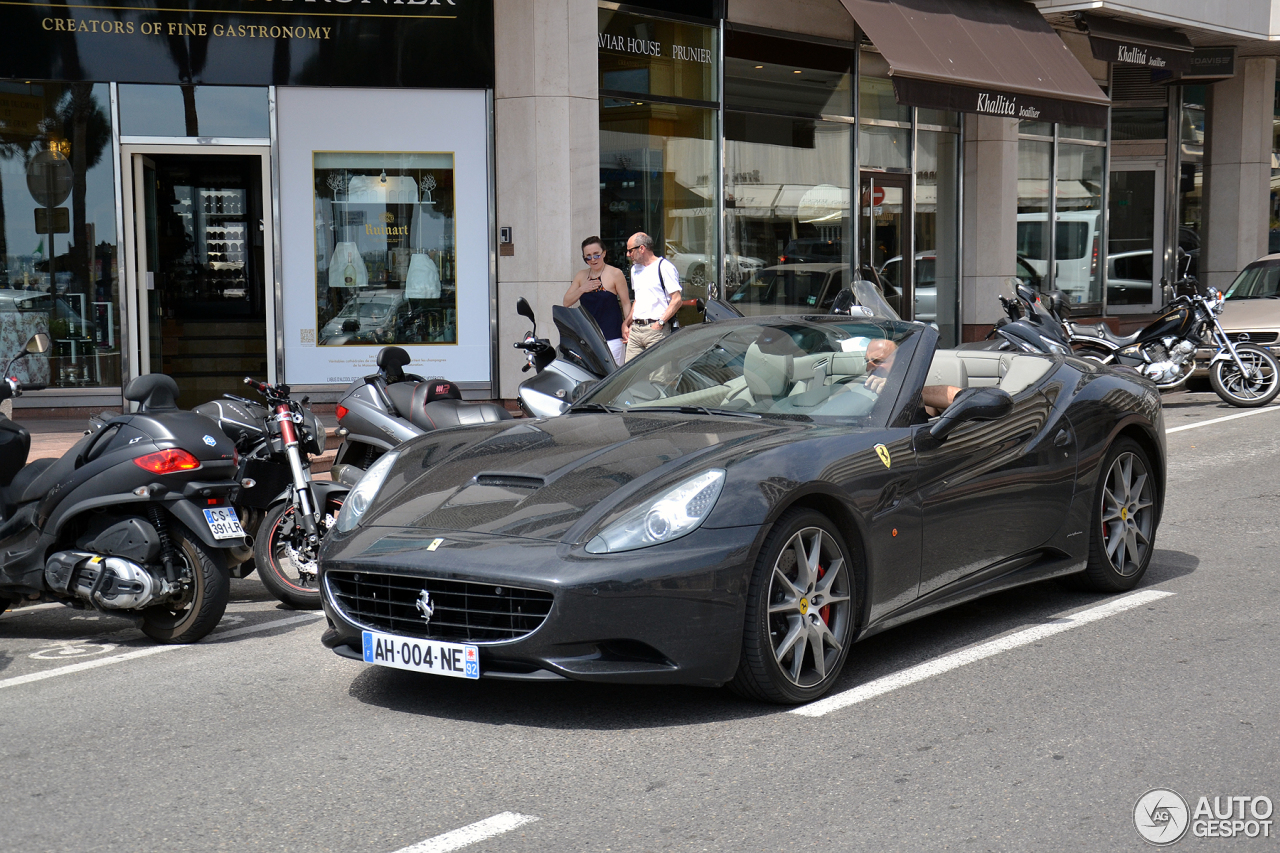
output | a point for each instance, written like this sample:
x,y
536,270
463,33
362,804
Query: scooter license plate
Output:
x,y
223,522
453,659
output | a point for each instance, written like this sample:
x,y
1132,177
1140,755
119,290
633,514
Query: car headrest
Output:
x,y
154,392
442,389
391,361
767,375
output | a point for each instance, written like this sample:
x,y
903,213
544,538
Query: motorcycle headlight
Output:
x,y
663,518
359,498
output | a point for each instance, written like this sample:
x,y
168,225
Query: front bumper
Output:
x,y
668,614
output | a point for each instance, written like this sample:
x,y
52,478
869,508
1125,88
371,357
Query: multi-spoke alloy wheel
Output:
x,y
800,612
1125,515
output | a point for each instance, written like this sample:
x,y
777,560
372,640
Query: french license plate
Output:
x,y
223,522
453,659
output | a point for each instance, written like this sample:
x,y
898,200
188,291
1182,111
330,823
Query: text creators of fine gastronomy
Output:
x,y
177,28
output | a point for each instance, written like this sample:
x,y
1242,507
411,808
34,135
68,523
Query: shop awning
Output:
x,y
1124,43
995,57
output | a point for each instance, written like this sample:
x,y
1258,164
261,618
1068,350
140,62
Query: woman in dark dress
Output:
x,y
602,290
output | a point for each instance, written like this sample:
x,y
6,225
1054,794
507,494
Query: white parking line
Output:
x,y
150,650
479,831
975,653
1224,418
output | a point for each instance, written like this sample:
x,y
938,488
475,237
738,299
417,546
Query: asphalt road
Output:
x,y
260,739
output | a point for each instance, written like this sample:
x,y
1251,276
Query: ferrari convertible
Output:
x,y
741,504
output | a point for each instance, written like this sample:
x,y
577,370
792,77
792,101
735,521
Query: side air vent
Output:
x,y
511,481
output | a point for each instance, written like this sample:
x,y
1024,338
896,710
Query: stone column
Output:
x,y
547,140
1237,171
990,219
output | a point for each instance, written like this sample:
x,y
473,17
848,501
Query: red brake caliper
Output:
x,y
825,610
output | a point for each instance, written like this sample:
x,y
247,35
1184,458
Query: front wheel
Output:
x,y
285,563
1257,386
206,588
800,612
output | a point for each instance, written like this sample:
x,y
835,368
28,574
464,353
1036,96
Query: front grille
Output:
x,y
1253,337
464,612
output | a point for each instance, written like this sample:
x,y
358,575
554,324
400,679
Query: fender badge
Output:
x,y
883,453
210,440
435,543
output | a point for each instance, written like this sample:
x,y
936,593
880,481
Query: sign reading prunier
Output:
x,y
367,43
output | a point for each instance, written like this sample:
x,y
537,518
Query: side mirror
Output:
x,y
40,342
582,390
973,404
523,309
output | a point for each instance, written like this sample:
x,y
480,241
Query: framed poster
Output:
x,y
384,212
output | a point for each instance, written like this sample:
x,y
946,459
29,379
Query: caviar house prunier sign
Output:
x,y
251,42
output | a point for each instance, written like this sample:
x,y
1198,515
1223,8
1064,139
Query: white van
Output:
x,y
1078,245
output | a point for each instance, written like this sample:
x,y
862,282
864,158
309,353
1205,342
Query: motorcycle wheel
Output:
x,y
198,612
1242,391
283,574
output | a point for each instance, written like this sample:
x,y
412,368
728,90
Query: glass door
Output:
x,y
1135,235
203,271
884,234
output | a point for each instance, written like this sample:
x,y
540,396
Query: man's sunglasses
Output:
x,y
631,249
593,257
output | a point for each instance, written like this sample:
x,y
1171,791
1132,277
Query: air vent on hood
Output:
x,y
510,481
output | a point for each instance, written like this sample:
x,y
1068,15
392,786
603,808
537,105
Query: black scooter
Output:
x,y
133,520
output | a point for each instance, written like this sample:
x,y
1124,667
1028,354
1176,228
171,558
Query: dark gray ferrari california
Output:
x,y
741,504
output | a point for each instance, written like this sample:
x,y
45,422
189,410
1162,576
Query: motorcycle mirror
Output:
x,y
39,343
523,309
843,302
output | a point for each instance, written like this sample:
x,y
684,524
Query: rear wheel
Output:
x,y
1257,386
287,568
800,612
1126,508
207,587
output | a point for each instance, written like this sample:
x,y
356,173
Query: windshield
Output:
x,y
813,366
1256,281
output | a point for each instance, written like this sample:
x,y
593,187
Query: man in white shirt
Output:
x,y
657,296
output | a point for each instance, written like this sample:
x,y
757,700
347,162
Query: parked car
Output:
x,y
811,250
1129,278
793,288
369,316
1251,310
692,266
925,283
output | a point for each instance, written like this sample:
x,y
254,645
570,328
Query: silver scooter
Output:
x,y
389,407
583,357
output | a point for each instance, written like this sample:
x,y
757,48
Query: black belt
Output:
x,y
640,322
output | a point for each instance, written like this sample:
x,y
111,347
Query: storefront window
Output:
x,y
1035,172
937,274
384,258
58,268
787,213
876,101
652,56
656,167
1273,234
1077,250
225,112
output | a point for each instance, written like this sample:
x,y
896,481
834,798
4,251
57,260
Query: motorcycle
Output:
x,y
389,407
286,512
134,520
1244,375
583,357
1031,323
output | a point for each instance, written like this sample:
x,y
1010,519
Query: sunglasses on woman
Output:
x,y
593,257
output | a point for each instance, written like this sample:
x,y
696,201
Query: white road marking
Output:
x,y
1224,418
150,650
458,838
975,653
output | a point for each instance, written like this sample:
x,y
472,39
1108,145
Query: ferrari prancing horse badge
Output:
x,y
883,453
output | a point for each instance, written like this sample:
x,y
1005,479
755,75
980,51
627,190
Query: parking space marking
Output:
x,y
152,650
963,657
479,831
1224,418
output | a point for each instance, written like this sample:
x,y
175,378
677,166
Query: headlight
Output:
x,y
359,498
666,517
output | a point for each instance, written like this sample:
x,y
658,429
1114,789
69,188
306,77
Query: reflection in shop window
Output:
x,y
385,248
58,270
656,176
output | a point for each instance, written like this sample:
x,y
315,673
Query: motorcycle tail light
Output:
x,y
342,412
168,461
1093,264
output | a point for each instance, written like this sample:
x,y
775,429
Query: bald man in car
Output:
x,y
880,355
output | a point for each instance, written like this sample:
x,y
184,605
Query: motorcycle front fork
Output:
x,y
303,499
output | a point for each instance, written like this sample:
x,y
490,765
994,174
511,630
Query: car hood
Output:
x,y
541,479
1242,314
